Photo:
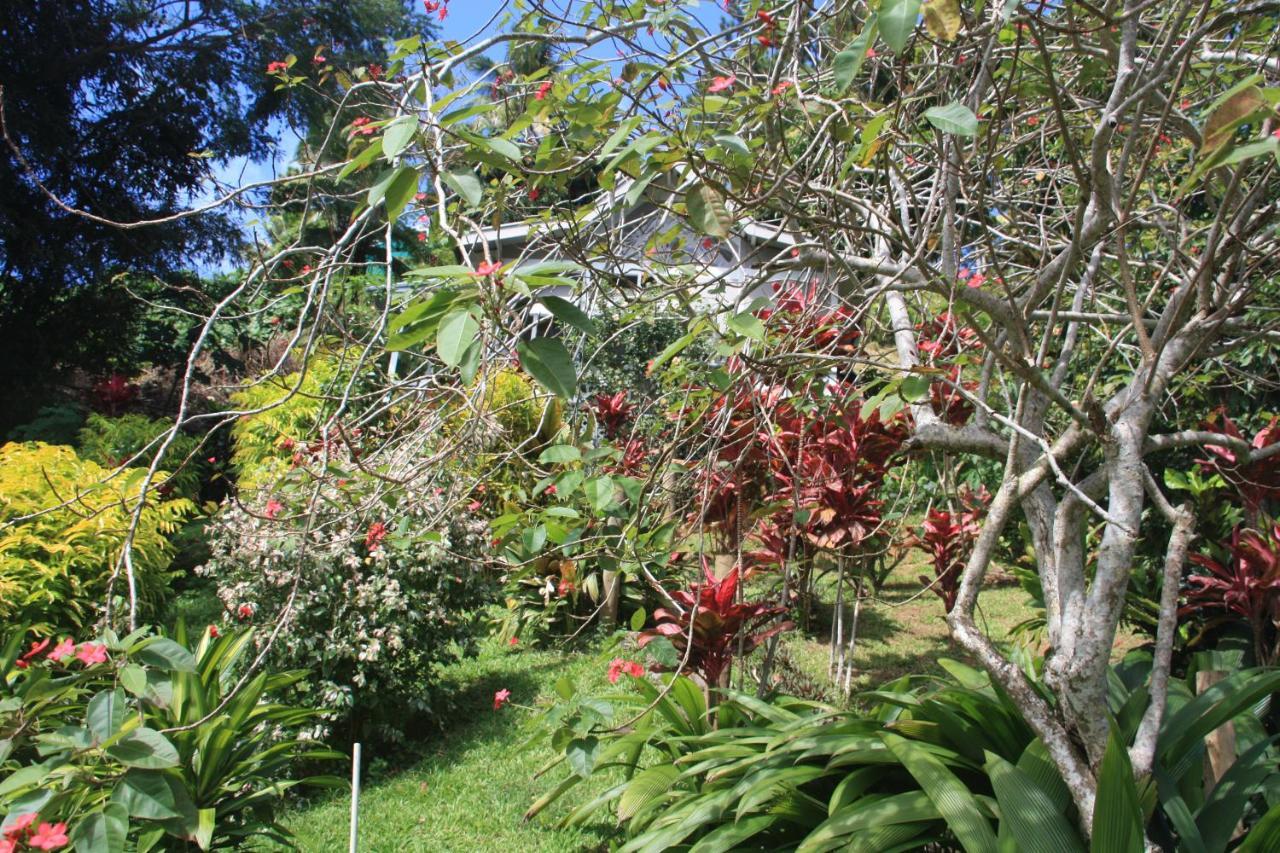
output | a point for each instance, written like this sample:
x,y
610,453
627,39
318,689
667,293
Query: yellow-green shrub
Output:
x,y
265,440
55,566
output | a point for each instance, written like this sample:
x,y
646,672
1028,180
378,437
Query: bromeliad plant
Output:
x,y
1244,584
146,742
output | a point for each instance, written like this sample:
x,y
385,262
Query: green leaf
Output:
x,y
547,361
134,679
707,211
1265,835
733,142
748,325
146,794
401,191
1028,812
466,184
470,365
581,754
645,788
456,334
599,492
163,653
898,22
101,832
397,135
144,748
568,313
954,118
1176,480
954,801
638,618
1117,818
558,454
848,62
914,388
106,714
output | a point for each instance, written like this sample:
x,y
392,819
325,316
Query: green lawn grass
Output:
x,y
470,789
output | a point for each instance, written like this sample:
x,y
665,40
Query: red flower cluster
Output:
x,y
88,654
277,67
500,698
543,91
612,412
438,7
361,126
619,667
373,538
46,836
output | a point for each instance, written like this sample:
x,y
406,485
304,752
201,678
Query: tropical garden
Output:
x,y
586,425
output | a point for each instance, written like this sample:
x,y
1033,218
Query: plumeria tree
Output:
x,y
1042,220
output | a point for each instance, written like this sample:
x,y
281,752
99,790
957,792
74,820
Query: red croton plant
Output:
x,y
948,538
1247,584
612,412
712,625
1257,481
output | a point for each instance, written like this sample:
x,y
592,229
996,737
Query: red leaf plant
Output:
x,y
114,393
612,412
1257,481
1248,585
942,338
948,539
801,315
947,401
718,624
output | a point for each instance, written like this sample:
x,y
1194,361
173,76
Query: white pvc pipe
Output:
x,y
355,796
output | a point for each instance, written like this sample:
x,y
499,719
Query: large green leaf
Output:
x,y
731,835
145,748
466,184
907,807
397,135
1265,835
106,714
456,334
898,22
645,788
401,191
101,832
568,313
955,118
707,211
848,62
146,794
549,362
1030,814
954,801
1117,817
166,654
581,754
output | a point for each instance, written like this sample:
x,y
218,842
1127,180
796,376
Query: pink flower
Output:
x,y
273,508
8,845
244,611
92,653
473,506
514,641
18,826
63,650
619,667
1276,133
501,698
543,90
551,490
534,192
372,539
871,53
976,280
277,67
719,84
49,836
782,87
488,268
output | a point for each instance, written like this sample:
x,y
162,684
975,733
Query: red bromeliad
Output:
x,y
1257,481
612,412
718,625
1248,585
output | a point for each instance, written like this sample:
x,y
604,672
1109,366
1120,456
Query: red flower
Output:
x,y
36,648
473,506
765,41
213,632
273,508
244,611
63,650
8,845
550,490
277,67
500,698
488,268
373,538
1032,121
719,84
766,18
612,412
360,126
782,87
543,90
375,70
619,667
534,192
976,280
49,836
514,641
871,53
663,84
92,653
564,587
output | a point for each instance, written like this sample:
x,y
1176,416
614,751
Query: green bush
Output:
x,y
113,442
378,593
63,522
291,410
56,424
108,740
